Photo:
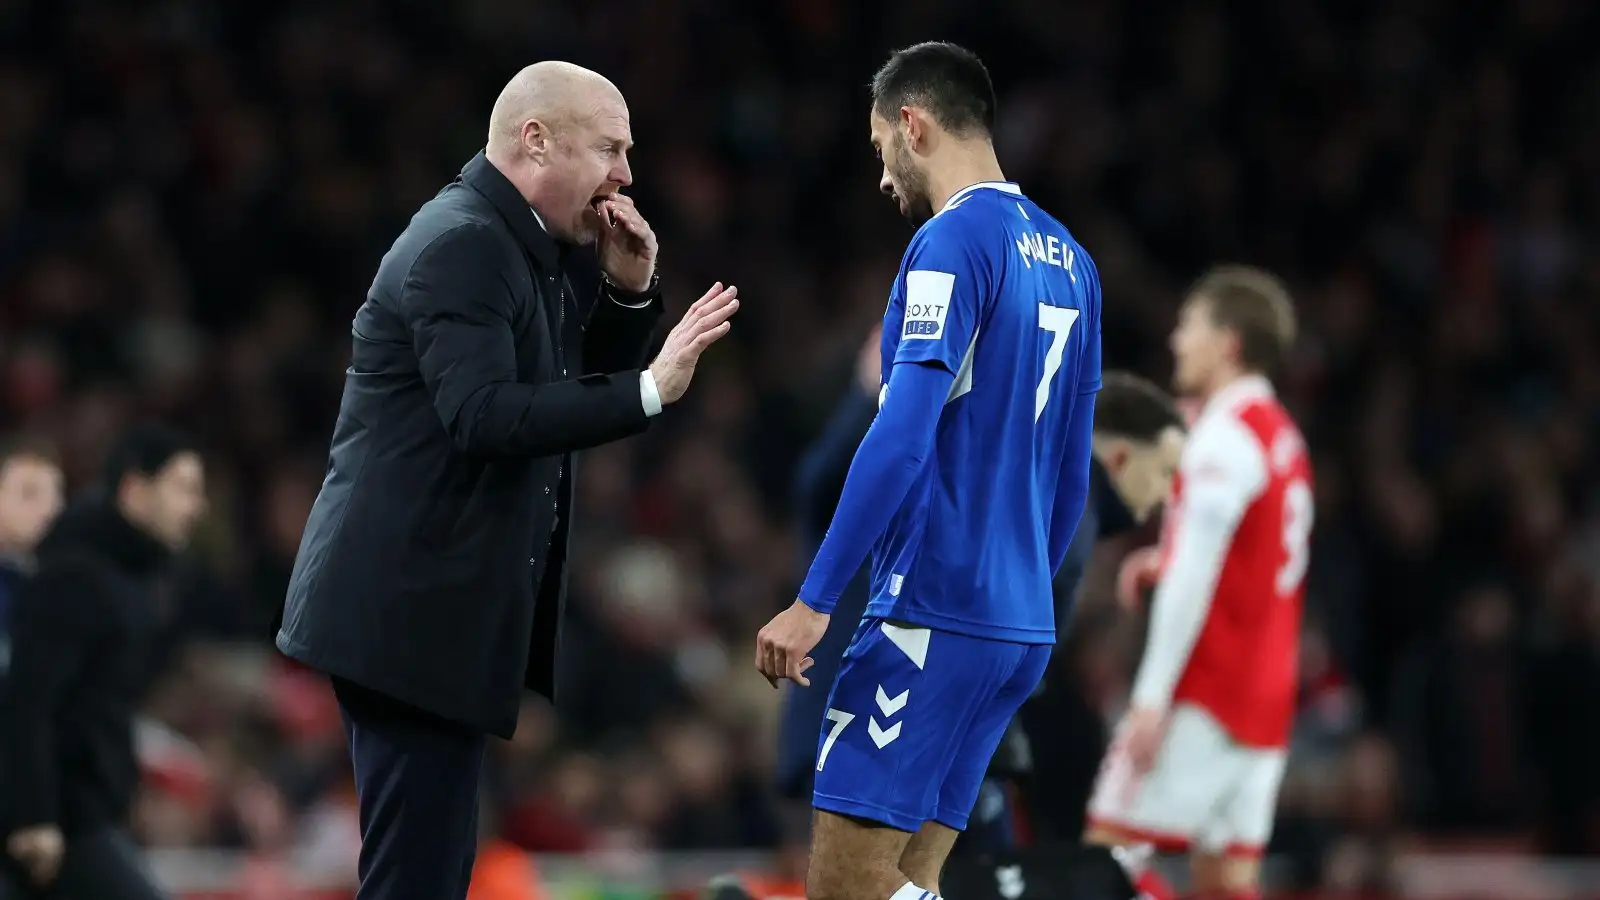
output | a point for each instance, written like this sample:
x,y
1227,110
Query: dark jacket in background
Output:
x,y
1064,731
433,565
818,485
82,632
12,573
1104,516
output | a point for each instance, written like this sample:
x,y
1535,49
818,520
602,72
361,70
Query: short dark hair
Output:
x,y
948,81
1134,408
143,450
1256,305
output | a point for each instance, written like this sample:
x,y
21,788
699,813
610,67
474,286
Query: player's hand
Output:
x,y
869,363
704,323
1143,731
781,646
627,244
1139,572
39,849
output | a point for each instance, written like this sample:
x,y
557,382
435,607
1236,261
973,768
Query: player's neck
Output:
x,y
1226,379
969,163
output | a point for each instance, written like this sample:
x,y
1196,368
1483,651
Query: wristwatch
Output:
x,y
621,294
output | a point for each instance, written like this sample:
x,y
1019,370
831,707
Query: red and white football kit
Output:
x,y
1223,647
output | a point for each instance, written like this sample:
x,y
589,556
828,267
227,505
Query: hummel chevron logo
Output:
x,y
879,735
891,706
887,705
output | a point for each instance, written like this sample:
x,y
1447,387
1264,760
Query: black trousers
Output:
x,y
417,782
100,865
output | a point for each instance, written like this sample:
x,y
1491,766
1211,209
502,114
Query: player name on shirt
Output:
x,y
1049,250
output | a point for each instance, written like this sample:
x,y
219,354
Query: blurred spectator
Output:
x,y
1462,719
193,198
84,631
30,498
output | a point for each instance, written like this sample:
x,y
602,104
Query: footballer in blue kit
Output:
x,y
966,491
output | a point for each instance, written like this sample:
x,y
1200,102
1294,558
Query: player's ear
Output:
x,y
1234,342
911,122
1117,458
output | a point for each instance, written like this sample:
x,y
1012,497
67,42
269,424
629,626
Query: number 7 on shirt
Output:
x,y
1057,320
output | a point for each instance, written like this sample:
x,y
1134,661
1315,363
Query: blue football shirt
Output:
x,y
995,290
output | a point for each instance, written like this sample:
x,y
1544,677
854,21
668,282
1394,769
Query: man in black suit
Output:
x,y
432,571
85,633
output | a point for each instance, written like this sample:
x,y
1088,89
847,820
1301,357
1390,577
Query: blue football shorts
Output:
x,y
913,720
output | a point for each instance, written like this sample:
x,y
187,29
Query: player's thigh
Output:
x,y
1023,666
853,858
1171,805
1223,874
903,700
925,854
1240,831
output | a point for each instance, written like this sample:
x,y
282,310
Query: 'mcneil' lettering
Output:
x,y
1047,249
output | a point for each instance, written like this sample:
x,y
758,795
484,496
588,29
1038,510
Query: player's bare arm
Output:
x,y
1221,471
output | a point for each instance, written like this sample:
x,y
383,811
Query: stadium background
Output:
x,y
194,196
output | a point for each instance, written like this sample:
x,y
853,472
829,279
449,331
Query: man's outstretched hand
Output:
x,y
703,325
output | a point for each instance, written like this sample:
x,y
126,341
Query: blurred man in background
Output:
x,y
431,576
818,482
1138,436
83,628
31,490
1197,761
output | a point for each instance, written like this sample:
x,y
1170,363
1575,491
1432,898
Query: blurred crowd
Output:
x,y
194,197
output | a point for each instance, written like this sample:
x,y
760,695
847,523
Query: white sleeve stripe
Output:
x,y
1183,598
1223,454
1224,470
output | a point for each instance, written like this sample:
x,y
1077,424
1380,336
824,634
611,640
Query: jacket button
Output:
x,y
533,560
547,489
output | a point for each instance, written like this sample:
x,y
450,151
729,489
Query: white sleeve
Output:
x,y
648,394
1223,470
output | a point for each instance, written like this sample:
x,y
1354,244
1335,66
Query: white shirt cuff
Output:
x,y
630,305
649,394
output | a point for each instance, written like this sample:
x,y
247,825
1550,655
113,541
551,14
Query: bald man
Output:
x,y
492,347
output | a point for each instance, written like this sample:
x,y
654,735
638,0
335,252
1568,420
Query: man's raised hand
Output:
x,y
704,323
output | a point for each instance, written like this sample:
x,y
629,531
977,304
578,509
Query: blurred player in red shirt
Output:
x,y
1196,763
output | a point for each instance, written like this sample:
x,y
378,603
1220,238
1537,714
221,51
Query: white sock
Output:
x,y
909,891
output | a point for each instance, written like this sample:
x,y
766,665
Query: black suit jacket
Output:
x,y
84,632
433,565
